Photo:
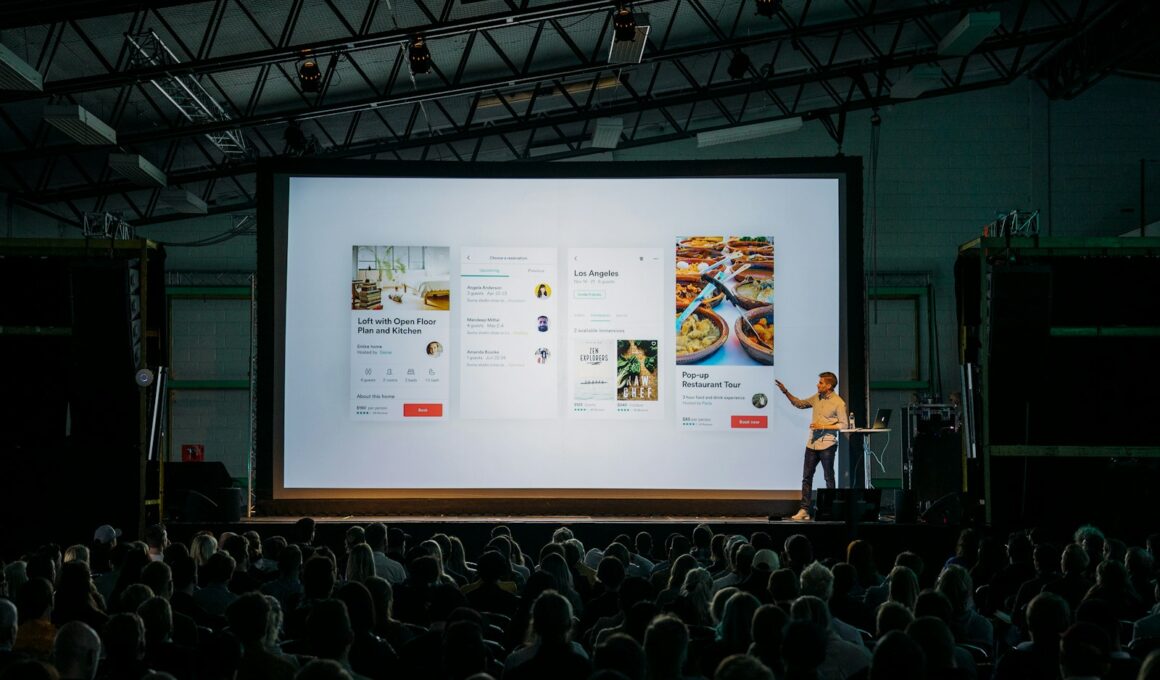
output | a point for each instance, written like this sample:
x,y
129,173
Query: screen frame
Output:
x,y
273,180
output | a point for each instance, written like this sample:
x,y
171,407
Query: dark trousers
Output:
x,y
813,456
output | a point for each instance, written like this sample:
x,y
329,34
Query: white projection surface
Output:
x,y
492,334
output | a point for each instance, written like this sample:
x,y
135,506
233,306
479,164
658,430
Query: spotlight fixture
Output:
x,y
419,56
309,75
768,8
738,65
624,25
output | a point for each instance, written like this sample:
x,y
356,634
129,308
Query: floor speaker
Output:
x,y
848,505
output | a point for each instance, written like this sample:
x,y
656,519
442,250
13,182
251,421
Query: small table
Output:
x,y
864,433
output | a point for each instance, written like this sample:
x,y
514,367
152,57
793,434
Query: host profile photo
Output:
x,y
760,400
542,324
543,291
434,349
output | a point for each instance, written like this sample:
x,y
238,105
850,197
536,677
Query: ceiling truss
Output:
x,y
523,81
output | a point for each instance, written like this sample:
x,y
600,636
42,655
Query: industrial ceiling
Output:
x,y
158,109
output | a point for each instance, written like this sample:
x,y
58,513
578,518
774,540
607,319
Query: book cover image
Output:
x,y
637,371
594,373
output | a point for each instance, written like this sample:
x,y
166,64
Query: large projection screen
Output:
x,y
465,331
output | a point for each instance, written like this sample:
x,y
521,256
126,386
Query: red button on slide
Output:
x,y
750,422
422,410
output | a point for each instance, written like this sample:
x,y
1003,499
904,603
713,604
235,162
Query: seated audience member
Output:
x,y
622,654
897,657
966,550
676,545
464,652
77,598
876,595
742,667
385,566
395,632
1148,626
266,565
734,632
8,628
1074,583
799,553
124,644
818,581
318,577
370,655
1047,618
557,566
765,562
549,653
784,588
242,580
767,631
360,563
674,574
286,584
693,603
938,648
966,624
158,576
161,653
1103,614
903,587
329,633
891,616
76,652
610,574
493,592
842,658
35,633
803,649
634,589
846,602
860,555
933,603
1112,586
1046,559
215,596
1019,570
250,622
666,648
1084,652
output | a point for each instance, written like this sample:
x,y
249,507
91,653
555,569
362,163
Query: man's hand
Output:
x,y
781,387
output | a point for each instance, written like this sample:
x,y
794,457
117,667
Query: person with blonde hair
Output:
x,y
360,563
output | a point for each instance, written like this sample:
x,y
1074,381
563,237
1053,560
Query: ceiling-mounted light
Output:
x,y
419,56
624,25
309,75
738,65
768,8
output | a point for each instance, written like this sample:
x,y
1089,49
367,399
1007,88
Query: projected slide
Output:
x,y
568,333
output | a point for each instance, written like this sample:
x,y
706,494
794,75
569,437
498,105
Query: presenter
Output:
x,y
829,417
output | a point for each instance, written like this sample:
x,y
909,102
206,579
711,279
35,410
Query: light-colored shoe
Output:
x,y
800,516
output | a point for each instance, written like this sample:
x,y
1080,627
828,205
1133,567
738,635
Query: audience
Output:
x,y
718,606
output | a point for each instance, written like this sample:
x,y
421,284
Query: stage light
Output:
x,y
309,75
739,65
624,25
916,81
79,124
768,8
969,33
745,133
419,56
